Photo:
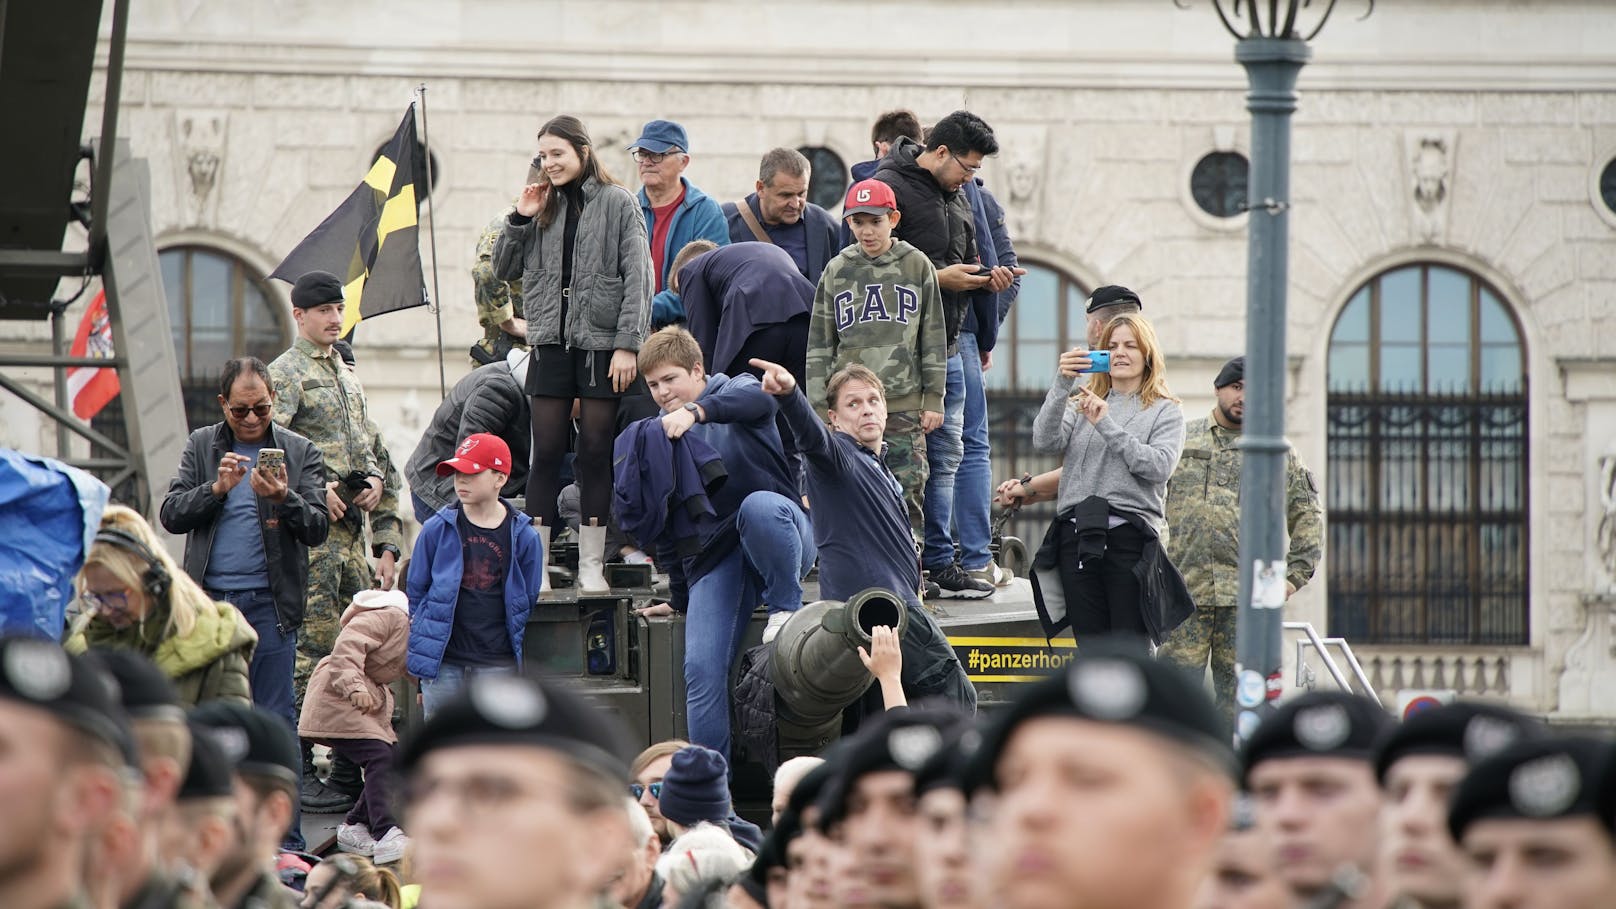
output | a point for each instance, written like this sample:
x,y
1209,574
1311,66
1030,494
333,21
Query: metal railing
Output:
x,y
1307,678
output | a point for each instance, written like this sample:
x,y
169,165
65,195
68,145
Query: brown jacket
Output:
x,y
368,656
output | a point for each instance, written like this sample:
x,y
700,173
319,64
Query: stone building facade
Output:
x,y
1454,155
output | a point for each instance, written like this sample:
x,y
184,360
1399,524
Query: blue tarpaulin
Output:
x,y
49,513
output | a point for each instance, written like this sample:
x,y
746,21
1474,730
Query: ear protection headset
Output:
x,y
155,580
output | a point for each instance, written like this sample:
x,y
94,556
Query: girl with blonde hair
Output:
x,y
134,597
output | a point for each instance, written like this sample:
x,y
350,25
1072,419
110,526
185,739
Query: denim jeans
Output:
x,y
270,672
423,511
944,447
775,552
973,485
451,679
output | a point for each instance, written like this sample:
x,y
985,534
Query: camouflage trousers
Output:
x,y
906,458
337,571
1207,633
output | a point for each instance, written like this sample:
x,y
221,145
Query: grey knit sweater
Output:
x,y
1127,457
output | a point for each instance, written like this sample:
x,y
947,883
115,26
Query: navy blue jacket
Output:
x,y
433,586
663,485
987,306
819,229
731,292
861,524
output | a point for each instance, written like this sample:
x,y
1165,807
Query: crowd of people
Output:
x,y
743,394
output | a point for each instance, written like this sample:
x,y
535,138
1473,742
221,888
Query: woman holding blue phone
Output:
x,y
1102,567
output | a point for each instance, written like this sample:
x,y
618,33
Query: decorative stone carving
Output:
x,y
1430,161
1590,670
200,138
1023,156
1605,536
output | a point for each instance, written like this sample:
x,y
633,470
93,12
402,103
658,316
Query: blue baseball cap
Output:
x,y
662,136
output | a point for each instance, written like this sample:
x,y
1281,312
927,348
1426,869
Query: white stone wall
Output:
x,y
1102,109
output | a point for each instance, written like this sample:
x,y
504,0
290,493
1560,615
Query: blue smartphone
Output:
x,y
1099,361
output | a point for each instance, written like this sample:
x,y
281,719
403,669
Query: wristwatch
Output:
x,y
388,547
695,411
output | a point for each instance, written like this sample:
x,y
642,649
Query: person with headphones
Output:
x,y
134,597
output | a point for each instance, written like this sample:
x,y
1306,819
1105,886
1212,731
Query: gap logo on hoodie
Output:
x,y
875,308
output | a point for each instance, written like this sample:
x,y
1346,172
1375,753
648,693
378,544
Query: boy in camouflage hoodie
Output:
x,y
878,305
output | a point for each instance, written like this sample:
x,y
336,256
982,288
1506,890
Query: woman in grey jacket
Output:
x,y
578,243
1122,433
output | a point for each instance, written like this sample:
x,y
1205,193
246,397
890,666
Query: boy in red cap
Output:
x,y
477,569
878,306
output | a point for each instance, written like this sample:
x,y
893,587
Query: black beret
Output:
x,y
772,854
895,740
144,691
1112,295
516,710
1232,372
316,288
1318,724
73,689
1112,682
806,792
256,741
211,773
1464,729
1542,779
946,769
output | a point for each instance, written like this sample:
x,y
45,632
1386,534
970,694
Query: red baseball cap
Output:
x,y
481,451
869,197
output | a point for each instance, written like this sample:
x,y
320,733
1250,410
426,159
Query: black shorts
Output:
x,y
555,371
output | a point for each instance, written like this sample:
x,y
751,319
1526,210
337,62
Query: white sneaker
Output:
x,y
777,621
356,839
993,574
391,847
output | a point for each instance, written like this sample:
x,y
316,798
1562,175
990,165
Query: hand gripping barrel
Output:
x,y
816,668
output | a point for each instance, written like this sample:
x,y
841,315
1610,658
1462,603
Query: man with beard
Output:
x,y
1203,510
266,759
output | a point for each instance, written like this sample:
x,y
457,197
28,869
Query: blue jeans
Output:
x,y
451,679
423,511
270,672
944,447
775,552
973,485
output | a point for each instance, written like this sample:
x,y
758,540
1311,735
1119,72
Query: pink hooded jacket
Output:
x,y
368,656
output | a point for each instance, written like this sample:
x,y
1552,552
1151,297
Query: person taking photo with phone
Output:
x,y
1102,567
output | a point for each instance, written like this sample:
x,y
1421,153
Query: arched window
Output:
x,y
218,308
1427,463
827,176
1046,319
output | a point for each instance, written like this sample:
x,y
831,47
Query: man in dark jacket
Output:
x,y
249,526
489,399
779,213
928,182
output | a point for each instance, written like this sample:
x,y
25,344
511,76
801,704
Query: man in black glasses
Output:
x,y
249,524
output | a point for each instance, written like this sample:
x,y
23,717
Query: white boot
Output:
x,y
591,554
544,554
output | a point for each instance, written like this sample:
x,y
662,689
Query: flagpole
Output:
x,y
432,237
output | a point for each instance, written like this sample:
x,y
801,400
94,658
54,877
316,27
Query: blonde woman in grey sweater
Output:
x,y
1121,433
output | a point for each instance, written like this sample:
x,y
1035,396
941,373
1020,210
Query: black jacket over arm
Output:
x,y
288,529
487,399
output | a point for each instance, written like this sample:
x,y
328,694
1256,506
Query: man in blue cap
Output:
x,y
676,211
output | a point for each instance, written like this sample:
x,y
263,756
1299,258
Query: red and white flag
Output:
x,y
91,387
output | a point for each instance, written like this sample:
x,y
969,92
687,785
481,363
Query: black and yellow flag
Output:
x,y
371,240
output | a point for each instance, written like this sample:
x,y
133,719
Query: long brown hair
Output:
x,y
571,129
1153,383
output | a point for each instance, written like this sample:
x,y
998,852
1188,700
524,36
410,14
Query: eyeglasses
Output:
x,y
639,791
239,411
644,157
970,169
112,605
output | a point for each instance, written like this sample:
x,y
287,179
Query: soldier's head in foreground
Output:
x,y
1537,825
1105,785
265,758
511,787
1310,768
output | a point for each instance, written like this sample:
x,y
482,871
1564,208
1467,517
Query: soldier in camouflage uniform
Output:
x,y
499,303
878,305
318,396
386,526
1203,510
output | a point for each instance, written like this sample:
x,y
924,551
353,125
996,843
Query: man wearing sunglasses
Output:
x,y
249,526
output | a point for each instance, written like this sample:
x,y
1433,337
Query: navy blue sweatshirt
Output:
x,y
740,426
861,524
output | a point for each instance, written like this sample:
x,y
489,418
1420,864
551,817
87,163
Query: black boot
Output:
x,y
345,778
315,796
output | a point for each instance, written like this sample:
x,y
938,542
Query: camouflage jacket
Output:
x,y
386,527
497,300
320,398
885,313
1203,510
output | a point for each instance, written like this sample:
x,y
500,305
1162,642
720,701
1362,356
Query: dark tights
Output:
x,y
597,424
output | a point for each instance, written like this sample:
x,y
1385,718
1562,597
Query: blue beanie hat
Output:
x,y
696,787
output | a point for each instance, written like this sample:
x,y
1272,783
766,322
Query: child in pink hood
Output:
x,y
349,706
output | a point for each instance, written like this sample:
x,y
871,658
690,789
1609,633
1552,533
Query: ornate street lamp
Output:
x,y
1271,44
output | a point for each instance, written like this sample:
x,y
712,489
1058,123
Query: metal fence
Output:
x,y
1427,516
1010,416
